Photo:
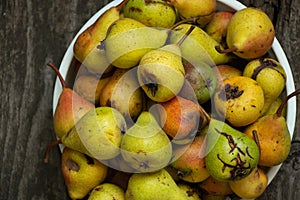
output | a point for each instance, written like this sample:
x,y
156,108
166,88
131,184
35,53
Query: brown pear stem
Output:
x,y
284,102
192,20
49,147
120,6
230,50
62,81
203,111
186,35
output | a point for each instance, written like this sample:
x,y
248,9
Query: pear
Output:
x,y
223,72
217,27
81,173
252,186
230,154
250,33
153,69
90,87
107,191
85,47
70,107
128,40
240,100
203,10
199,47
270,75
272,135
190,192
153,186
274,107
155,13
123,93
145,146
181,118
203,80
160,63
98,133
191,165
215,187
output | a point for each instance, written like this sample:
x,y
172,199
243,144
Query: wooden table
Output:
x,y
35,32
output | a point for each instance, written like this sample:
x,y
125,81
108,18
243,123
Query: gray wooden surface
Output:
x,y
34,32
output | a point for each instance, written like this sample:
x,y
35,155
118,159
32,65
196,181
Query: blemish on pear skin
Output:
x,y
72,165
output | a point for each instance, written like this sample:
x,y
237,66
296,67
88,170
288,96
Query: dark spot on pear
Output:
x,y
72,165
90,161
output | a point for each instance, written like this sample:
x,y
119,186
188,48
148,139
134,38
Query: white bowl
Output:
x,y
232,5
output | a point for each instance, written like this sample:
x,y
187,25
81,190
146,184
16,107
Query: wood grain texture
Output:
x,y
34,32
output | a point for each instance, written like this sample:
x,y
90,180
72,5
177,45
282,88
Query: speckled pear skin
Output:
x,y
231,155
270,75
251,32
153,186
155,13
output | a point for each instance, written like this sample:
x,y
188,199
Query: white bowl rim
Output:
x,y
235,5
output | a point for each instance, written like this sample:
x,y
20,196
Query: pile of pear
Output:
x,y
172,100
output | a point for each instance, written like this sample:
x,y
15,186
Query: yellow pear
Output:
x,y
85,47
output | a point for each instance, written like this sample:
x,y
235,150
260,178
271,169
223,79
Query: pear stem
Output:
x,y
203,111
192,20
186,35
49,147
285,100
120,6
62,81
230,50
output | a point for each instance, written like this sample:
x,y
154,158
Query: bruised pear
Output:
x,y
252,186
240,100
160,63
156,13
230,154
250,33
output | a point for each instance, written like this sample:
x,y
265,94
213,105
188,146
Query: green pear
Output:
x,y
155,13
272,135
203,80
231,155
85,47
270,75
81,173
153,186
70,107
128,40
107,191
199,47
98,133
145,146
250,33
123,93
203,10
